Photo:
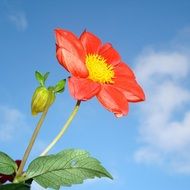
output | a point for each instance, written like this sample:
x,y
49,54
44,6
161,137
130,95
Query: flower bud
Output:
x,y
41,98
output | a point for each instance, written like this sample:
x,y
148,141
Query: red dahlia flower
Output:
x,y
97,70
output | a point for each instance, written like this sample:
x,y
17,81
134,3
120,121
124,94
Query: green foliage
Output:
x,y
7,165
41,78
65,169
60,86
46,76
15,187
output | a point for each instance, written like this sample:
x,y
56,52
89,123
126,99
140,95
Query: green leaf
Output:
x,y
65,169
15,187
39,78
46,76
7,165
59,87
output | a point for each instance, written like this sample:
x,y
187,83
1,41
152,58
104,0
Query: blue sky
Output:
x,y
148,149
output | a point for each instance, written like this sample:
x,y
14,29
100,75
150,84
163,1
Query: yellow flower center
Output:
x,y
99,70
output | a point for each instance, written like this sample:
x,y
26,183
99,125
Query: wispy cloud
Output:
x,y
13,13
165,130
19,20
11,122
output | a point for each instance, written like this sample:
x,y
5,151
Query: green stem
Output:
x,y
63,130
32,140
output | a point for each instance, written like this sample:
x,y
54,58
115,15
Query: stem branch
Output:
x,y
65,127
32,140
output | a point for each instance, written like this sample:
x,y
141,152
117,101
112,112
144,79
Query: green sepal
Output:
x,y
60,86
46,76
7,165
66,168
41,78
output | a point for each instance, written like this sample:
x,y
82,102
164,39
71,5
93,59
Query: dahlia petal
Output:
x,y
67,40
113,100
123,69
60,57
130,88
83,89
110,54
90,42
72,63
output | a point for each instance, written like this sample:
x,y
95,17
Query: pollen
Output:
x,y
99,70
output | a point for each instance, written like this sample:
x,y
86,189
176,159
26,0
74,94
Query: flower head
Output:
x,y
41,98
97,70
44,97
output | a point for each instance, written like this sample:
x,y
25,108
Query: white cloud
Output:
x,y
165,131
147,155
19,20
161,64
11,122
